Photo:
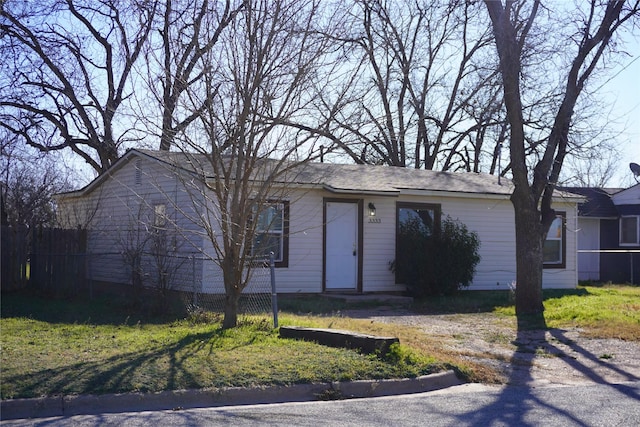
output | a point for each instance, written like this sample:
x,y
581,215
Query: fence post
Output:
x,y
89,276
194,300
274,295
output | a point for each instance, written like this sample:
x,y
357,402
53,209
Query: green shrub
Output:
x,y
436,264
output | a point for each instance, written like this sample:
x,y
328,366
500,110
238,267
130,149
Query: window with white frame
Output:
x,y
271,232
629,231
553,251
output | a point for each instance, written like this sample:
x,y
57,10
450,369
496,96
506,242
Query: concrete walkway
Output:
x,y
374,297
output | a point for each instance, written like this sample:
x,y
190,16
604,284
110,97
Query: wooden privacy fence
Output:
x,y
14,257
49,259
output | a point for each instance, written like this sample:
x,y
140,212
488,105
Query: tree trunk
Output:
x,y
525,201
231,310
233,290
528,259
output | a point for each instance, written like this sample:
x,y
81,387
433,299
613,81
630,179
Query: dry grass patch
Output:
x,y
412,338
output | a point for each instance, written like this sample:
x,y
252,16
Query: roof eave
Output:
x,y
459,194
388,193
108,174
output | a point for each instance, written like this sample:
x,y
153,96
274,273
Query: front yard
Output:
x,y
55,347
61,348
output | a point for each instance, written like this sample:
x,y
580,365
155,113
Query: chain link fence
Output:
x,y
256,297
87,274
55,262
184,275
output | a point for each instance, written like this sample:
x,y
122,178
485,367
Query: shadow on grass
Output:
x,y
100,311
464,302
482,301
161,368
323,305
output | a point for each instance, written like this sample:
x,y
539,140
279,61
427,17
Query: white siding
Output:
x,y
120,199
119,216
304,273
486,218
492,219
379,246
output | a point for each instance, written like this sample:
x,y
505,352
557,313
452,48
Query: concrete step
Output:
x,y
339,338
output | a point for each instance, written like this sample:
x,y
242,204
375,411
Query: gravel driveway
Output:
x,y
534,358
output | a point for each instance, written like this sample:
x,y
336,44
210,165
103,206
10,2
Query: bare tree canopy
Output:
x,y
414,83
425,92
253,104
28,182
187,31
68,72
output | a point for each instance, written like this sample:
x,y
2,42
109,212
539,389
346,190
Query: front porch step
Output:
x,y
373,298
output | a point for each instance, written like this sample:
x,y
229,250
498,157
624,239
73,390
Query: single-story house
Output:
x,y
609,234
337,223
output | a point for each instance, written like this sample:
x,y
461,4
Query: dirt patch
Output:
x,y
535,358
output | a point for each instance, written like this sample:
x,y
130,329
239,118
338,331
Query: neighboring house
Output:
x,y
609,234
335,226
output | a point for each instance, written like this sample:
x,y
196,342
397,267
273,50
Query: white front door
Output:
x,y
341,246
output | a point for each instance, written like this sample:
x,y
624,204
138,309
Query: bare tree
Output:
x,y
68,73
426,94
150,248
593,154
187,31
535,179
132,242
261,82
165,261
28,182
592,168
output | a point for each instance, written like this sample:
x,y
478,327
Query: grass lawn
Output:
x,y
602,311
56,347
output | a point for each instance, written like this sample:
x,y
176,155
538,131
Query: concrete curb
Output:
x,y
175,400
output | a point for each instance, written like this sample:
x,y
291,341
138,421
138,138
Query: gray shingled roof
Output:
x,y
351,178
347,178
387,179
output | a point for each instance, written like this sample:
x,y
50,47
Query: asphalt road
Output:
x,y
466,405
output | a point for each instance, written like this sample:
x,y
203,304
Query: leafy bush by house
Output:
x,y
440,263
